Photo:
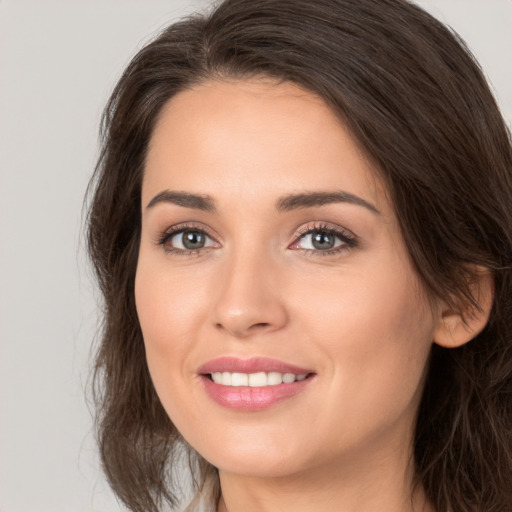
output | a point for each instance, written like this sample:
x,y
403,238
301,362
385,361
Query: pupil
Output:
x,y
322,240
193,240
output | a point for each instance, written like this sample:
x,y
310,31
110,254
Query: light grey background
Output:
x,y
58,63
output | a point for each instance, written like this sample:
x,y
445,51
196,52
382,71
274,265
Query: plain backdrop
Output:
x,y
58,63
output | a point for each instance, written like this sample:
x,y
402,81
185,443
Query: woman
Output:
x,y
302,228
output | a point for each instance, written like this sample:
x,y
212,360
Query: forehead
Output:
x,y
254,137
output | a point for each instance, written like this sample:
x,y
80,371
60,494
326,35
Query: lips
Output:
x,y
253,365
252,384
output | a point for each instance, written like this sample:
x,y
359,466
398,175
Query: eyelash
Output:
x,y
348,239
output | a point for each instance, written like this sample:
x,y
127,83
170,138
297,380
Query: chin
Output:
x,y
261,466
263,458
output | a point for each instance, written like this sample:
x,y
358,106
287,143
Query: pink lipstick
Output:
x,y
252,384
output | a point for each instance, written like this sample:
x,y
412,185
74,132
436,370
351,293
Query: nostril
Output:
x,y
219,325
262,324
243,331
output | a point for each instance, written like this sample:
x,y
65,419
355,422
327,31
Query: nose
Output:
x,y
249,300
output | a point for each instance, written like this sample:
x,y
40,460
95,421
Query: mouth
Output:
x,y
253,384
255,380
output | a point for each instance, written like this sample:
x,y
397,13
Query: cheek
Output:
x,y
170,312
379,305
375,330
169,308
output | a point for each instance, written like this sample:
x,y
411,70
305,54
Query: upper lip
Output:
x,y
252,365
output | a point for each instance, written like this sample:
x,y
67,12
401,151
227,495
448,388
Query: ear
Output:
x,y
455,327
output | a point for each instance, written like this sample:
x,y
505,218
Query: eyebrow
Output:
x,y
311,199
284,204
196,201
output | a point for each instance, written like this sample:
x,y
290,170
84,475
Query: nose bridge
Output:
x,y
248,299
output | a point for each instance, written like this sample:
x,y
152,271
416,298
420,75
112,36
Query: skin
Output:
x,y
358,317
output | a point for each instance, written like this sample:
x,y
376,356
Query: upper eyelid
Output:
x,y
317,225
326,226
178,228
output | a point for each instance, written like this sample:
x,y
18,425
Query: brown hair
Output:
x,y
415,99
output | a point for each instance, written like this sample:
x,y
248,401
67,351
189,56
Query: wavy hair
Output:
x,y
415,99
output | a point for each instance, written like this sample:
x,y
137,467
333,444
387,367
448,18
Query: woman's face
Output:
x,y
271,261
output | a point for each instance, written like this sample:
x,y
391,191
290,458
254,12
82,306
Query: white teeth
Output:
x,y
239,379
274,378
288,378
255,380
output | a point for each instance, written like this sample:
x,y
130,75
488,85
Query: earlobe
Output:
x,y
455,328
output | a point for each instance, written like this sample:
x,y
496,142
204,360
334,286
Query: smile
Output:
x,y
254,380
252,384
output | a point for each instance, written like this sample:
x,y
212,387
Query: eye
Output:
x,y
320,240
189,240
324,239
186,240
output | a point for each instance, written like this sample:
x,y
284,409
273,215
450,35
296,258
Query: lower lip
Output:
x,y
245,398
